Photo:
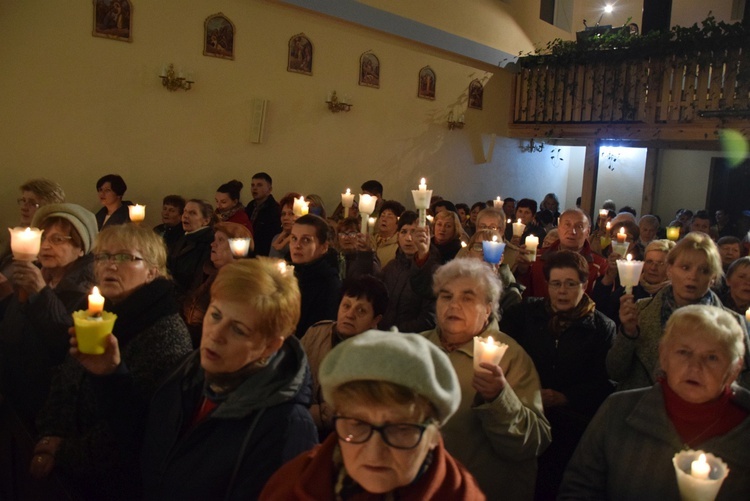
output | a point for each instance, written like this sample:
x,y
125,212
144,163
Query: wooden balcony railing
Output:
x,y
648,91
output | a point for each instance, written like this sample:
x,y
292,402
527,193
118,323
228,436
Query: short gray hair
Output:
x,y
712,322
478,272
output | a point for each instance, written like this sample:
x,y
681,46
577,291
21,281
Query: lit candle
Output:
x,y
747,315
673,233
25,243
508,221
493,250
498,203
608,225
137,212
422,185
421,198
518,228
96,303
464,245
366,207
239,246
700,468
630,272
603,213
371,224
300,207
347,200
285,268
487,351
622,237
531,242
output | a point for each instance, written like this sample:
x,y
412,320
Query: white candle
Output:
x,y
96,303
367,204
422,198
630,272
25,243
608,225
531,243
423,185
239,246
700,468
347,200
621,236
498,203
137,212
487,351
300,207
518,228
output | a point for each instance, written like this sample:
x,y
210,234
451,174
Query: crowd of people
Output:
x,y
329,362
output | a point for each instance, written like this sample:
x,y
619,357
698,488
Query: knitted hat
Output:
x,y
408,360
82,220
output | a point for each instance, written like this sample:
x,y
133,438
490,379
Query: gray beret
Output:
x,y
408,360
81,219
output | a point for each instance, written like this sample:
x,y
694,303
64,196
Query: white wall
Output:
x,y
621,176
683,181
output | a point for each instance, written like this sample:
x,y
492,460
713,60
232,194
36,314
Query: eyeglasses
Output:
x,y
119,258
55,239
477,247
488,227
350,234
658,264
396,435
28,203
567,284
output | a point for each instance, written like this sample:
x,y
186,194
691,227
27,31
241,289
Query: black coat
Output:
x,y
34,338
186,260
320,286
266,224
233,452
120,216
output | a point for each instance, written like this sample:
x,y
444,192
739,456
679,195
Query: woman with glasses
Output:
x,y
608,291
34,331
568,340
231,413
693,265
356,255
391,394
499,429
78,443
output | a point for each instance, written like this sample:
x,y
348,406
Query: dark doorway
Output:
x,y
728,188
657,16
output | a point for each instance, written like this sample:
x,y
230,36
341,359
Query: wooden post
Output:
x,y
590,175
649,181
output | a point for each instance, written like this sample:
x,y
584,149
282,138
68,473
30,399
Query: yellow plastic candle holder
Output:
x,y
91,333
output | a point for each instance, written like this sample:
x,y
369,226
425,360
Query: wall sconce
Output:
x,y
172,81
532,147
455,124
335,105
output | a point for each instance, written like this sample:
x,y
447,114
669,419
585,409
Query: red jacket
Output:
x,y
536,284
310,475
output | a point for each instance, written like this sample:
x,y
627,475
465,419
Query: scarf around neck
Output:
x,y
669,305
559,321
224,215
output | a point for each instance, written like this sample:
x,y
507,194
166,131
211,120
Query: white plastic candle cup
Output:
x,y
629,272
698,489
25,243
421,198
239,246
137,213
493,251
497,203
620,248
489,351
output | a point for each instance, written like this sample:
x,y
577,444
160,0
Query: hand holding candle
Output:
x,y
422,198
93,325
487,351
699,474
25,243
366,207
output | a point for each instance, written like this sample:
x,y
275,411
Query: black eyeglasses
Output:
x,y
119,258
396,435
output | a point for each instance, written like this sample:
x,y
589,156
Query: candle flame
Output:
x,y
463,244
348,191
95,291
499,199
27,230
509,221
494,238
490,340
622,230
609,224
702,458
423,181
629,257
519,221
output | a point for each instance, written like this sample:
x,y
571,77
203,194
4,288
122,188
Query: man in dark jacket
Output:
x,y
264,212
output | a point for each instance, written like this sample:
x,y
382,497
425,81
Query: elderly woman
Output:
x,y
280,242
365,380
363,302
568,341
229,208
111,189
499,429
34,194
196,303
692,266
34,331
408,278
608,291
77,442
737,296
316,269
192,250
356,256
234,411
386,241
447,232
626,452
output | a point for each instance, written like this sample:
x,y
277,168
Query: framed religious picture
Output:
x,y
218,37
369,70
426,88
112,19
300,55
476,94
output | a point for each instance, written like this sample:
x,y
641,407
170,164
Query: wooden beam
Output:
x,y
649,181
590,175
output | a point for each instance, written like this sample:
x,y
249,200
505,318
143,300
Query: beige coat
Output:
x,y
498,441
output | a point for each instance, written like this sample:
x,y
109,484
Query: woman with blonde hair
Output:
x,y
692,267
235,410
447,234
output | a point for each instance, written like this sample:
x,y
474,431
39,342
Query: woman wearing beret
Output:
x,y
391,393
231,413
34,331
627,450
